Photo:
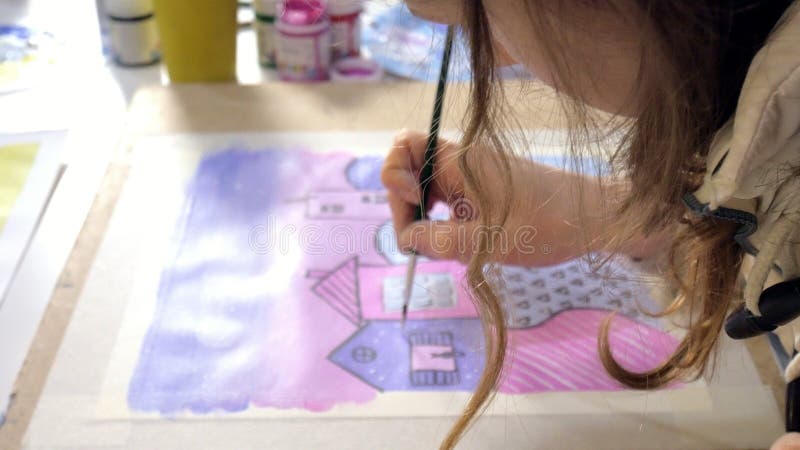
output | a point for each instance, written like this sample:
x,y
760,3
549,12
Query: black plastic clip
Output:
x,y
779,304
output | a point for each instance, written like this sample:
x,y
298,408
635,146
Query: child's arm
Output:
x,y
549,223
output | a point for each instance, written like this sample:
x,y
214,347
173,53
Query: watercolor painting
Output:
x,y
283,290
16,161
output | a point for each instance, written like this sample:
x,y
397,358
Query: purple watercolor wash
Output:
x,y
235,326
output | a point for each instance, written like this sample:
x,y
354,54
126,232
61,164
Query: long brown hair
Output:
x,y
684,94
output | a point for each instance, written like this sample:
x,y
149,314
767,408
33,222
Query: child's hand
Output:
x,y
543,227
400,175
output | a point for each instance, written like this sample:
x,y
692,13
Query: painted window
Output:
x,y
430,291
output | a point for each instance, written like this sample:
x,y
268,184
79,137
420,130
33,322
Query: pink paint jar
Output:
x,y
304,41
345,27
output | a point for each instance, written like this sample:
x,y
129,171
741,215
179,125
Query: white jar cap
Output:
x,y
266,7
344,7
126,9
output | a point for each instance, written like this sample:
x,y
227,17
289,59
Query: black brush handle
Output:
x,y
426,174
793,406
793,403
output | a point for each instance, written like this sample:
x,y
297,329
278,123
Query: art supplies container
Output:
x,y
264,24
134,38
345,27
356,70
304,41
198,39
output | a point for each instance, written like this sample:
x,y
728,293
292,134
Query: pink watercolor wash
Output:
x,y
562,355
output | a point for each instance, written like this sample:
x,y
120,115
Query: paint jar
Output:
x,y
345,27
356,70
198,39
134,37
265,31
304,41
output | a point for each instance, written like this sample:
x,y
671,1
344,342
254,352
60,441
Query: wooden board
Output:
x,y
228,108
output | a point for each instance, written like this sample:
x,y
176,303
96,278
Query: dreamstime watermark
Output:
x,y
449,239
313,239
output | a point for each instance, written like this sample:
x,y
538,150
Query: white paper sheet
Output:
x,y
19,228
85,400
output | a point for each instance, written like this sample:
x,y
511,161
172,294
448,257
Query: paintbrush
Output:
x,y
426,174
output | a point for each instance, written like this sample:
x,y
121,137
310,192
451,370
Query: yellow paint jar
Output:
x,y
198,39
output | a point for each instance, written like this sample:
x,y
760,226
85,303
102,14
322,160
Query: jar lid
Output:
x,y
265,7
344,7
126,9
355,70
302,12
